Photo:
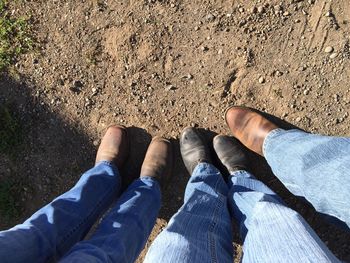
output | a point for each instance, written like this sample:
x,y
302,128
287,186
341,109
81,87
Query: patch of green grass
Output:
x,y
9,194
10,132
15,38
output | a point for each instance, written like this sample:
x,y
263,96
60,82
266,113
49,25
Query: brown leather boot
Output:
x,y
194,149
158,161
248,126
231,153
114,146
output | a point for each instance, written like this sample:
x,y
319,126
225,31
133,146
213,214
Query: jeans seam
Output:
x,y
212,227
82,222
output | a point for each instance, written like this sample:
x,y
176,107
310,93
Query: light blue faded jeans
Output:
x,y
54,231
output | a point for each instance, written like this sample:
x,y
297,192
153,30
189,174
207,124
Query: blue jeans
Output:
x,y
311,166
314,167
201,230
54,231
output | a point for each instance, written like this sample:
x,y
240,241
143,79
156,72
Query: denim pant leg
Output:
x,y
123,233
54,229
272,232
313,166
201,230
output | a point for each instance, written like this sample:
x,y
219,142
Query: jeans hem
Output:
x,y
269,137
238,173
108,163
151,179
203,165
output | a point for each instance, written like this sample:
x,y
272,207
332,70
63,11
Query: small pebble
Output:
x,y
333,55
261,80
170,87
261,9
210,17
328,49
278,73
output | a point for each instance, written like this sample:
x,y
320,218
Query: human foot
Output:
x,y
193,148
158,161
230,153
114,146
248,126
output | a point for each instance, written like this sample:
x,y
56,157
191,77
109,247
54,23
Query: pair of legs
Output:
x,y
55,231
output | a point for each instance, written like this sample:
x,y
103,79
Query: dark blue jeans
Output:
x,y
55,230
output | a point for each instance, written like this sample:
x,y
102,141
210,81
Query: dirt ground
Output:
x,y
160,66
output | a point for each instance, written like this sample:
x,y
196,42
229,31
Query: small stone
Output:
x,y
220,51
333,55
78,84
74,89
261,80
328,14
196,28
204,48
278,73
210,17
336,97
170,87
286,13
302,68
187,77
261,9
328,49
306,92
298,119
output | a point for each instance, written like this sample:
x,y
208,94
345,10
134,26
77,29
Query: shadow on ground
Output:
x,y
56,151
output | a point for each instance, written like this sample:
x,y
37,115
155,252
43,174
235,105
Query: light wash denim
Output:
x,y
201,230
56,229
313,166
271,232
